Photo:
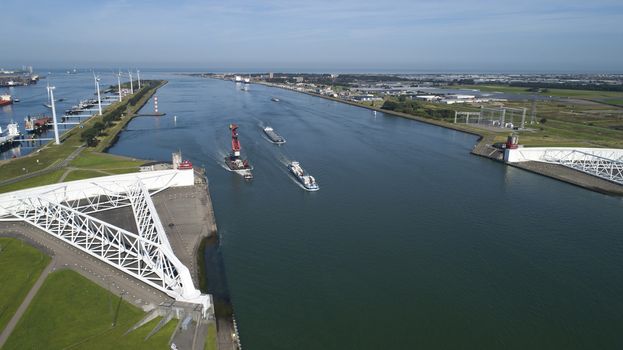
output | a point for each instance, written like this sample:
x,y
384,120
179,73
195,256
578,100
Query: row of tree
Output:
x,y
409,106
97,129
91,134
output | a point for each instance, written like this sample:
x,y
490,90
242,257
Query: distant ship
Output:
x,y
36,125
5,99
247,80
8,139
308,181
274,99
233,160
238,79
273,136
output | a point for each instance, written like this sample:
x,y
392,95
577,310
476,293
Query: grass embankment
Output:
x,y
566,122
135,104
20,266
72,312
90,162
210,343
593,95
40,180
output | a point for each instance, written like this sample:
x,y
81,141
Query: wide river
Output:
x,y
411,242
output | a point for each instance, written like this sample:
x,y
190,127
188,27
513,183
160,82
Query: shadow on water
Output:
x,y
213,279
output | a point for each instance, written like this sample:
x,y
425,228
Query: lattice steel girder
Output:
x,y
98,194
597,165
145,255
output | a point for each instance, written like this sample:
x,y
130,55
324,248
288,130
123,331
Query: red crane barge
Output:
x,y
233,160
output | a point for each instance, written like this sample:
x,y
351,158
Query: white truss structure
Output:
x,y
62,210
609,168
605,163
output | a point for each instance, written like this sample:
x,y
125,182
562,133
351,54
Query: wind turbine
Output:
x,y
97,86
138,76
119,83
51,92
131,86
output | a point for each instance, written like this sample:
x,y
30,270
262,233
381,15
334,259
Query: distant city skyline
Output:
x,y
279,35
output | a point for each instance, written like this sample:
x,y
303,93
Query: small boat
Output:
x,y
308,181
16,100
47,105
274,99
273,136
5,99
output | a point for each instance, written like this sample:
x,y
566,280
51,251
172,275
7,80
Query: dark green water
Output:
x,y
411,242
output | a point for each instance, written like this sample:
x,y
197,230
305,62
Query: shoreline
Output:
x,y
482,148
121,125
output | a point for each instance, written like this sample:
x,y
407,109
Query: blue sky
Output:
x,y
417,35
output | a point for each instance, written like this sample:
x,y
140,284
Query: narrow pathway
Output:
x,y
64,175
22,308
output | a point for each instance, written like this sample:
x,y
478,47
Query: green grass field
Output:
x,y
82,174
20,266
210,343
582,94
103,161
72,312
40,180
568,122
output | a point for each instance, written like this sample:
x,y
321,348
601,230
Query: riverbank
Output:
x,y
50,163
483,148
110,140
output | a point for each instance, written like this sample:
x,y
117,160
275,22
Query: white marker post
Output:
x,y
51,91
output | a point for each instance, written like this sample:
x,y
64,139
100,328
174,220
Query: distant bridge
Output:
x,y
64,211
605,163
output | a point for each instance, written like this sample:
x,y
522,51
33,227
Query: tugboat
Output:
x,y
273,136
308,181
5,99
233,161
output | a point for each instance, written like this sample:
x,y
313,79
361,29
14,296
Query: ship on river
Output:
x,y
273,136
5,99
35,125
308,181
233,160
8,138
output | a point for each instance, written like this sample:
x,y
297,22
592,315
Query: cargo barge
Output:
x,y
273,136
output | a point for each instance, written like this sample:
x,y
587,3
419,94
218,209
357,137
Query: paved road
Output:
x,y
22,308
